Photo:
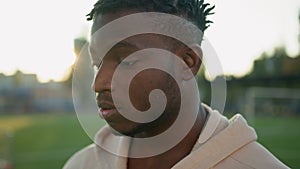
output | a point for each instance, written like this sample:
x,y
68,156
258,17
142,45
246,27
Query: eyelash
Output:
x,y
128,63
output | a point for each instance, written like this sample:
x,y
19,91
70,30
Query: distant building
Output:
x,y
22,93
53,97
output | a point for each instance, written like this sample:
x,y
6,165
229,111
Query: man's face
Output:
x,y
140,86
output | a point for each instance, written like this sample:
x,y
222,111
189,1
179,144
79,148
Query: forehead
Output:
x,y
139,41
112,27
103,19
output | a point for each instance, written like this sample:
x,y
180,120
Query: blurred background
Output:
x,y
258,44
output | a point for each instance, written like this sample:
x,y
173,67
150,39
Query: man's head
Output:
x,y
195,11
106,11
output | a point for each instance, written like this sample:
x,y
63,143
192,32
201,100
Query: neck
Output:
x,y
175,154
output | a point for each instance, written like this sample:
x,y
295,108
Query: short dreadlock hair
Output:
x,y
195,11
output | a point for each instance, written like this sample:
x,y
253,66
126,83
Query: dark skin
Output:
x,y
149,80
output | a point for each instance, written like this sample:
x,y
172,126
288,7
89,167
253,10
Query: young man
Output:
x,y
210,141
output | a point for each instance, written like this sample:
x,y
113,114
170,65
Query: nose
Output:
x,y
103,78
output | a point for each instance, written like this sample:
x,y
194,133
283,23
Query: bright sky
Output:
x,y
37,35
243,29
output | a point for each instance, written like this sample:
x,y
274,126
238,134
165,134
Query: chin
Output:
x,y
124,130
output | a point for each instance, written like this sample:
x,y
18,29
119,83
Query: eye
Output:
x,y
128,63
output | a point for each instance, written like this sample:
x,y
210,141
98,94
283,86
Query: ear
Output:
x,y
192,57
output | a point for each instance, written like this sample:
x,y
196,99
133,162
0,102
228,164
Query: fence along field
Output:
x,y
47,141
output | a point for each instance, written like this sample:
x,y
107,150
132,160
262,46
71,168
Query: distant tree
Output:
x,y
78,45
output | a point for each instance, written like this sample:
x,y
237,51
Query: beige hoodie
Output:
x,y
222,144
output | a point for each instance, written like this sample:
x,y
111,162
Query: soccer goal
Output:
x,y
271,101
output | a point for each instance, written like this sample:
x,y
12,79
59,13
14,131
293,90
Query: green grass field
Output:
x,y
44,141
47,141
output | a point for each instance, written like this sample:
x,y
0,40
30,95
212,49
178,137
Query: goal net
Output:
x,y
271,102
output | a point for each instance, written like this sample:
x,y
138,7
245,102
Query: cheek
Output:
x,y
139,91
144,83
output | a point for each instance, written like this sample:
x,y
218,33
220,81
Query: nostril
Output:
x,y
101,85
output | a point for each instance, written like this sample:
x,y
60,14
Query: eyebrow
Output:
x,y
118,45
121,44
125,44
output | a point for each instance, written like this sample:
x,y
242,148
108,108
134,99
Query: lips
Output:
x,y
106,113
106,108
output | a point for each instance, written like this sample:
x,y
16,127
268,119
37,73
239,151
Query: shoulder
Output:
x,y
84,158
254,155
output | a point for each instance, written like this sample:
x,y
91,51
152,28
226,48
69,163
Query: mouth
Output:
x,y
106,109
106,113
